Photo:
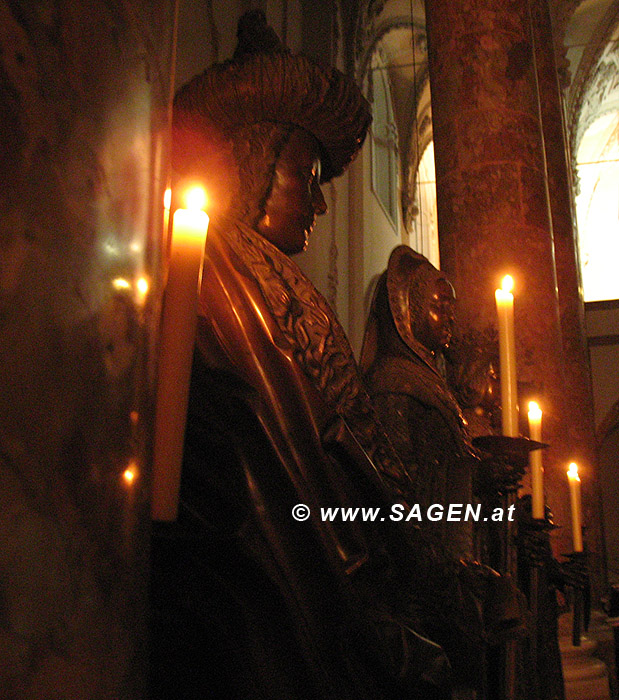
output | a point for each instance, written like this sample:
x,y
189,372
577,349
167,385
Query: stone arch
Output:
x,y
402,40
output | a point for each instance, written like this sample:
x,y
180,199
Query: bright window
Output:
x,y
597,208
424,238
384,146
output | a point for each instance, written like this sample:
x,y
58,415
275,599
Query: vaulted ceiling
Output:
x,y
586,37
586,40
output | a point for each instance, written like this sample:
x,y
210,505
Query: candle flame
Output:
x,y
129,474
142,287
508,283
195,198
572,472
535,412
167,199
121,283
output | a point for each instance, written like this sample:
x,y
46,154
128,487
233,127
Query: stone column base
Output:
x,y
585,676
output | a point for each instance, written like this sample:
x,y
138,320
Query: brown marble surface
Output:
x,y
494,214
84,88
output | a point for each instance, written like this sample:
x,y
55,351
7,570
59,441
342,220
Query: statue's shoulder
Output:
x,y
394,374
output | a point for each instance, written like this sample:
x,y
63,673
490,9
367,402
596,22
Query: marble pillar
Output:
x,y
578,394
494,212
84,95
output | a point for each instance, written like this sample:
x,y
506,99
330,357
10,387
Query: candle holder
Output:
x,y
514,449
507,459
504,460
575,572
535,534
536,555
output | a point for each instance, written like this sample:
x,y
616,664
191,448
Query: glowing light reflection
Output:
x,y
121,283
507,284
195,198
142,288
130,473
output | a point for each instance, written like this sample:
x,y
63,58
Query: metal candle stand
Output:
x,y
513,452
580,606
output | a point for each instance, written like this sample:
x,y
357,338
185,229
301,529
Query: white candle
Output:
x,y
178,330
167,203
576,503
535,462
507,356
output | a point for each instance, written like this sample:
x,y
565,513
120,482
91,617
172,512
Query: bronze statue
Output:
x,y
410,324
254,593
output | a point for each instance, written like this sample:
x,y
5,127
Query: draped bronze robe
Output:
x,y
277,417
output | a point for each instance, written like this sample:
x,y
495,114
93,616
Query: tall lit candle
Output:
x,y
178,330
576,503
535,462
507,356
167,204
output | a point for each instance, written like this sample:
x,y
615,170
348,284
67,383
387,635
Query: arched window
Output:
x,y
385,180
597,207
424,236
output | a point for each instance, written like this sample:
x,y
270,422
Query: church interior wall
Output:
x,y
602,320
602,324
206,33
349,249
380,233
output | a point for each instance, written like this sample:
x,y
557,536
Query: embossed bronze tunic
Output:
x,y
413,401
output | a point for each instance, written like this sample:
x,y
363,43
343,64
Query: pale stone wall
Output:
x,y
84,141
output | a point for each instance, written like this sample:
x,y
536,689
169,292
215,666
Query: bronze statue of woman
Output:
x,y
410,325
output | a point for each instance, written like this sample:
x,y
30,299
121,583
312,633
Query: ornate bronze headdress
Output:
x,y
264,82
399,296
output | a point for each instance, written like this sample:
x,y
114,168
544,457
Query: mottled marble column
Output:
x,y
493,204
578,397
84,89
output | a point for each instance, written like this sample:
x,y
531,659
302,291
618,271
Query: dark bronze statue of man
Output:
x,y
254,594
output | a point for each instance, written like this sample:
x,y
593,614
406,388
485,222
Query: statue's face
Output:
x,y
434,326
295,198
